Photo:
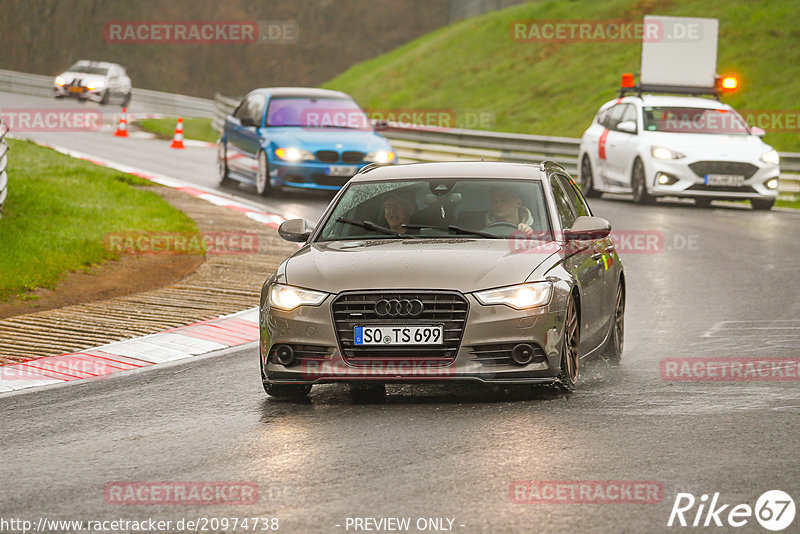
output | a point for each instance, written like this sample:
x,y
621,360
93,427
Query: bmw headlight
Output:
x,y
288,298
520,297
659,152
381,156
293,154
771,157
60,80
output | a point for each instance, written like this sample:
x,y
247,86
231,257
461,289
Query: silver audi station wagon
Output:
x,y
470,271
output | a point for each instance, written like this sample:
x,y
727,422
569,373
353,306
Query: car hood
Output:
x,y
712,146
461,264
86,79
327,138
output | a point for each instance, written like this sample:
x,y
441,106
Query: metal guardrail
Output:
x,y
156,101
3,165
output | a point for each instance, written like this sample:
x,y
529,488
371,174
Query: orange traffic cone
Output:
x,y
122,127
177,139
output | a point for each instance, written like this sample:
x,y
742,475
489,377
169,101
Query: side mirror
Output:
x,y
585,228
380,126
627,126
758,132
294,230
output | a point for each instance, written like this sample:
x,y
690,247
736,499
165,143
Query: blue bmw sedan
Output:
x,y
298,137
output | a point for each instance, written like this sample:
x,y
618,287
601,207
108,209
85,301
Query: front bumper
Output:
x,y
690,183
311,174
81,93
493,327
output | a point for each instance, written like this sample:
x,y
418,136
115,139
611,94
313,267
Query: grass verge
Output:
x,y
193,128
59,210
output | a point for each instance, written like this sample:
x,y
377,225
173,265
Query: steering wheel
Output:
x,y
497,227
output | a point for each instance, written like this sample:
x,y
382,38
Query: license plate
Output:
x,y
399,335
724,179
341,170
76,89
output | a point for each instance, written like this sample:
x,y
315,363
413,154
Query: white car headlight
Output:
x,y
96,85
288,298
520,297
659,152
60,80
293,154
381,156
771,157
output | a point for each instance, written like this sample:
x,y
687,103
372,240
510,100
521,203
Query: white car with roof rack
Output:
x,y
678,146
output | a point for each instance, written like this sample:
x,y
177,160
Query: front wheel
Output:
x,y
126,101
762,204
640,194
570,345
616,341
222,164
587,179
263,186
104,98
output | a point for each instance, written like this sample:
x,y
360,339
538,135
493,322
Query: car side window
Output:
x,y
565,211
252,107
629,114
614,116
579,205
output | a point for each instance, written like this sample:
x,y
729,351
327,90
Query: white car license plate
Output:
x,y
724,179
399,335
342,170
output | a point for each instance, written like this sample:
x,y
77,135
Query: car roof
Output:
x,y
307,92
673,101
455,169
103,64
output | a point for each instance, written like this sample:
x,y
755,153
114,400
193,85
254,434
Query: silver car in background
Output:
x,y
94,80
469,271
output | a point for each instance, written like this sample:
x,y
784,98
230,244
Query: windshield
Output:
x,y
88,69
435,208
694,120
317,113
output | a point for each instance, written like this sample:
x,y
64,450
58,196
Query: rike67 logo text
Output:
x,y
774,510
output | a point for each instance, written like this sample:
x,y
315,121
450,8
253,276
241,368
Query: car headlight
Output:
x,y
288,298
95,85
520,297
659,152
60,80
293,154
381,156
771,157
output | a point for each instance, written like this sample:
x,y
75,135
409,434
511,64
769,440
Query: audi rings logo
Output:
x,y
398,308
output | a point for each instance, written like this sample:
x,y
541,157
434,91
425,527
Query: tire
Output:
x,y
287,391
222,165
104,98
126,101
702,202
616,341
570,349
263,185
368,393
587,179
640,194
761,204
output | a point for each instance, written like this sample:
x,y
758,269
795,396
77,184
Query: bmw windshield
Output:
x,y
437,208
317,113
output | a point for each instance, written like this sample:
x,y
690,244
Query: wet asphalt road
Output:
x,y
724,284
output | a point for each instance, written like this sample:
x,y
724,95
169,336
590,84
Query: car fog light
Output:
x,y
522,354
665,179
284,354
772,183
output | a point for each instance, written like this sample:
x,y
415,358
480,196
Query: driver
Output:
x,y
397,210
507,207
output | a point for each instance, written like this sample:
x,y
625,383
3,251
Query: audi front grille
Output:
x,y
446,308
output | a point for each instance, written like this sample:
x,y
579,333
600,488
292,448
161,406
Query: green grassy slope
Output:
x,y
554,88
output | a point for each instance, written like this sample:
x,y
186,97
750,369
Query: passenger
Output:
x,y
507,207
398,210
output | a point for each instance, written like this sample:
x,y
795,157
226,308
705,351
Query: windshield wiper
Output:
x,y
375,227
453,228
